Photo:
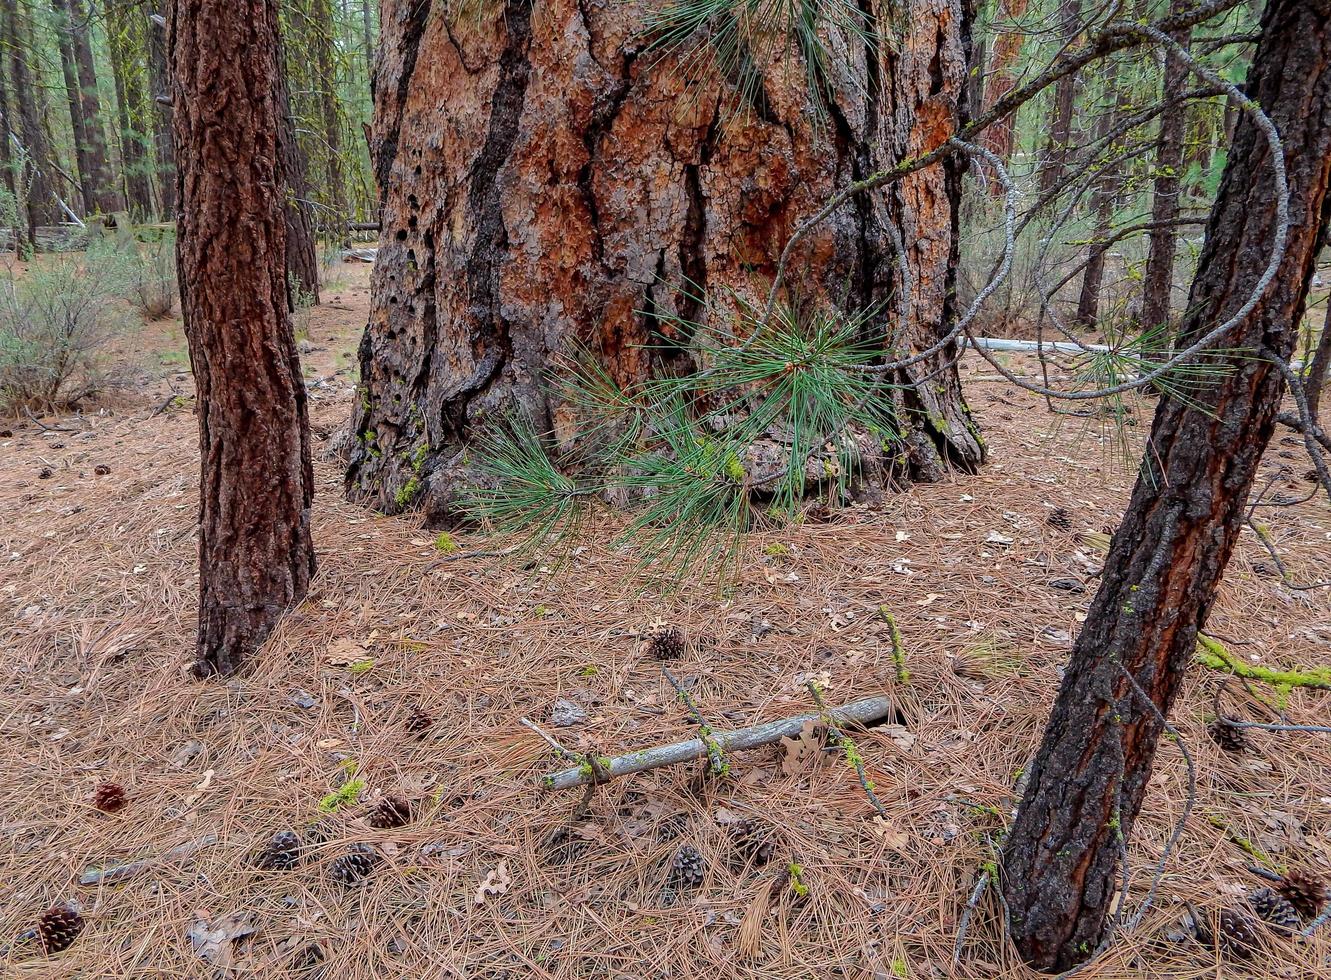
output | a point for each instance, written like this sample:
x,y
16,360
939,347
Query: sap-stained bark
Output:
x,y
546,180
255,554
1186,512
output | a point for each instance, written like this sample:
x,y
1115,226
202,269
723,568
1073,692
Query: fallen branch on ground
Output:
x,y
115,873
857,713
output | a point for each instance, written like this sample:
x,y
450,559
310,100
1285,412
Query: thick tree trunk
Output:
x,y
1060,862
1001,79
544,184
124,36
255,553
41,192
1159,277
163,135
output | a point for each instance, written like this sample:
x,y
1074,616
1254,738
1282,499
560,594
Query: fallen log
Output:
x,y
861,713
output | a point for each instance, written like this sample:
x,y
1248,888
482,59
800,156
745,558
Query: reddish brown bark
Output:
x,y
1001,79
544,184
302,251
1166,559
255,553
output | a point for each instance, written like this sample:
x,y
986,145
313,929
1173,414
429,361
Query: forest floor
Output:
x,y
490,879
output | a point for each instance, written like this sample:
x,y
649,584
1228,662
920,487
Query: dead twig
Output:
x,y
116,873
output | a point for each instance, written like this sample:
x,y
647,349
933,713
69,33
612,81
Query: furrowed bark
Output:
x,y
1165,562
255,553
545,182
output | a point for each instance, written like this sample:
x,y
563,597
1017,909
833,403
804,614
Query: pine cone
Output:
x,y
419,721
110,797
57,929
667,643
1275,910
1228,736
1238,934
1305,892
1060,518
355,866
281,854
688,868
389,813
753,841
563,846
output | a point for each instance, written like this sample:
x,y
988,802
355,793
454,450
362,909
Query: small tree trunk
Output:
x,y
1091,772
1055,160
320,36
1001,80
163,135
41,192
1319,368
82,162
255,553
302,251
13,180
1103,200
106,197
1159,278
124,37
367,38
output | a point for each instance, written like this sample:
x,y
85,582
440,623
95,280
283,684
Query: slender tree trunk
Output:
x,y
1103,200
41,192
1091,772
124,37
8,160
1319,368
1002,78
1159,280
531,206
82,160
106,198
255,552
367,39
1065,102
320,35
302,252
163,135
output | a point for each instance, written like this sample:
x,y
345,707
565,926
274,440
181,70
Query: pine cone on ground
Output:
x,y
667,643
57,929
355,866
419,721
754,841
688,868
1060,518
110,797
563,846
281,854
1275,910
1238,934
1230,737
1307,893
389,813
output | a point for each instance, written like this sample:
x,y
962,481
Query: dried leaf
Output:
x,y
212,939
801,752
343,651
495,883
889,834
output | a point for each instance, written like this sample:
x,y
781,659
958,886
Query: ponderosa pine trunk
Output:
x,y
124,32
546,182
41,193
82,161
1103,199
302,250
106,197
1061,859
1158,287
163,126
1057,151
1002,78
255,552
319,35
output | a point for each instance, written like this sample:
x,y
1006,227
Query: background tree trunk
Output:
x,y
1001,78
1168,555
124,32
106,198
41,193
82,155
163,137
1055,160
320,37
255,553
1103,199
302,251
544,184
1159,277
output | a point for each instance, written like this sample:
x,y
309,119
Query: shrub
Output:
x,y
153,288
55,322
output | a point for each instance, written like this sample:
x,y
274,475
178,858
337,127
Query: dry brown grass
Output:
x,y
98,592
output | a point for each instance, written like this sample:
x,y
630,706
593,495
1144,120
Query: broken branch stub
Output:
x,y
864,712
